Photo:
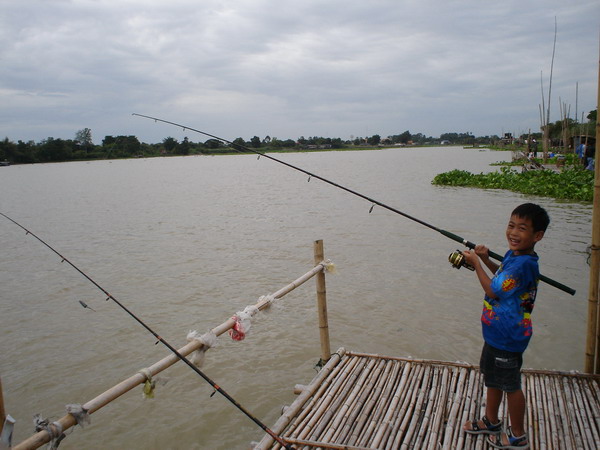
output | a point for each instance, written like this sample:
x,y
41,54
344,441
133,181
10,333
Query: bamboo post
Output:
x,y
592,361
322,303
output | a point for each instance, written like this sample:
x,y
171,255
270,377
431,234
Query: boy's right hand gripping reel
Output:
x,y
457,259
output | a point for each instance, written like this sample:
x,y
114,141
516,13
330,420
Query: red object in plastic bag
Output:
x,y
237,333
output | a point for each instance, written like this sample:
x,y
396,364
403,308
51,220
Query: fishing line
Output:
x,y
158,337
454,237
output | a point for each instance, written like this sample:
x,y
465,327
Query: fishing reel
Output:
x,y
457,259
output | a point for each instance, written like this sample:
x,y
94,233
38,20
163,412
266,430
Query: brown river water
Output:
x,y
186,242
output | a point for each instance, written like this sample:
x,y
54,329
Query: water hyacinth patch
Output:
x,y
570,184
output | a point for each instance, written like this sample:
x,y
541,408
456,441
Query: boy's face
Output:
x,y
520,235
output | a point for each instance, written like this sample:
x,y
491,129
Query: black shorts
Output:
x,y
501,369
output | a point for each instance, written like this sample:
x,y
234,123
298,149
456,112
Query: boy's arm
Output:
x,y
486,282
483,252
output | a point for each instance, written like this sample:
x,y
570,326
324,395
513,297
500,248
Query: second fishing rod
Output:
x,y
448,234
173,350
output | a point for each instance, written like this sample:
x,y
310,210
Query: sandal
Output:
x,y
508,440
488,428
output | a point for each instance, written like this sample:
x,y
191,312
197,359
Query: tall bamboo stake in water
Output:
x,y
547,127
592,361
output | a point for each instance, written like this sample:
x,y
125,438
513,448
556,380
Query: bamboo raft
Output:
x,y
363,401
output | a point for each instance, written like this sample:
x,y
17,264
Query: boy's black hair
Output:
x,y
538,215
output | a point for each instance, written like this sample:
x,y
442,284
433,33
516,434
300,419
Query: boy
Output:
x,y
506,323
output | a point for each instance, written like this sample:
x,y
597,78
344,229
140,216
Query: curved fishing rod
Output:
x,y
159,338
448,234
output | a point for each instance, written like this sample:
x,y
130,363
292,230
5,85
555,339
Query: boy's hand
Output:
x,y
482,251
471,257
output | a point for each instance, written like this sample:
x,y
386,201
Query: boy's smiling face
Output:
x,y
520,235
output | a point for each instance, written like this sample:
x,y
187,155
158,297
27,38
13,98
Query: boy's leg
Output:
x,y
515,437
489,423
516,411
493,399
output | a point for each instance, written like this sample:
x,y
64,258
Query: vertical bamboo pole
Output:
x,y
592,361
546,142
322,303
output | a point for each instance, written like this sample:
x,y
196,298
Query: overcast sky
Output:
x,y
291,68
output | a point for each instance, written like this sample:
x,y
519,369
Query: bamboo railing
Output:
x,y
93,405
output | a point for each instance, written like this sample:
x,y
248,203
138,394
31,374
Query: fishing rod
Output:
x,y
158,337
448,234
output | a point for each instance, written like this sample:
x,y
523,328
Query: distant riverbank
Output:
x,y
56,150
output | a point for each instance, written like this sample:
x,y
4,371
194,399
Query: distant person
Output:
x,y
590,165
580,151
535,148
506,323
590,151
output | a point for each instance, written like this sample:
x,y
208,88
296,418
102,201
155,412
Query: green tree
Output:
x,y
170,144
337,143
55,150
239,143
374,140
129,145
185,147
405,137
121,146
7,148
19,153
84,138
213,144
255,142
275,143
458,138
452,137
108,140
25,152
420,138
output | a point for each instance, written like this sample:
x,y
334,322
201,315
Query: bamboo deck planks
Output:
x,y
377,402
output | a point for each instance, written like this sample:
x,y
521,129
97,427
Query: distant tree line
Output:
x,y
112,147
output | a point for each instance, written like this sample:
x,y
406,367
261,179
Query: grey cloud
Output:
x,y
287,68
